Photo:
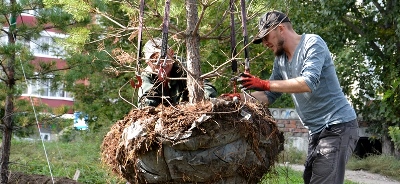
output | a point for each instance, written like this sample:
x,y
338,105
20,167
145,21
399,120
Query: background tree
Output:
x,y
18,69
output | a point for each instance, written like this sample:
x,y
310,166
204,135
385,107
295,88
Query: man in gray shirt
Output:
x,y
304,68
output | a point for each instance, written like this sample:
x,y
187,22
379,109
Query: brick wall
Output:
x,y
296,135
289,122
292,127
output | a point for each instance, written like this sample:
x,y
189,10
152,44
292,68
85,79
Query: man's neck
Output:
x,y
291,43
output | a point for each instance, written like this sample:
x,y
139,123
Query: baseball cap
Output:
x,y
152,46
267,21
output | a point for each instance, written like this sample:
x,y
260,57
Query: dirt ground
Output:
x,y
361,177
18,178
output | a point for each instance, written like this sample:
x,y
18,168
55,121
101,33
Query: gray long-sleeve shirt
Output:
x,y
325,104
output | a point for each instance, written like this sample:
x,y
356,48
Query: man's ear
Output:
x,y
281,27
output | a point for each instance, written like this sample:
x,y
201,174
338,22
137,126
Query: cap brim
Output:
x,y
260,36
257,41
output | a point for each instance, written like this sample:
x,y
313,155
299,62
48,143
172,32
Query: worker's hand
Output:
x,y
230,96
248,81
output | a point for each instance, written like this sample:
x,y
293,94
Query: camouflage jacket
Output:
x,y
175,91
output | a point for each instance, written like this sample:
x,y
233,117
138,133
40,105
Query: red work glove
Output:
x,y
230,96
248,81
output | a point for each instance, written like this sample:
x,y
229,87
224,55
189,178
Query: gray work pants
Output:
x,y
328,153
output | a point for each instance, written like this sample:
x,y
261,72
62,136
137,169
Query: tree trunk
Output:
x,y
387,144
194,82
9,103
397,153
6,142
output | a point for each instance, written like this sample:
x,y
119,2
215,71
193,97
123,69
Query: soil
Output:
x,y
18,178
360,176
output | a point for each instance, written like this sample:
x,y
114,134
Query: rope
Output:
x,y
37,123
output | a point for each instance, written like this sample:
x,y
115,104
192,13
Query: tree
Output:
x,y
193,52
106,49
18,68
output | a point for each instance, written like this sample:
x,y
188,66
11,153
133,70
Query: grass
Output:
x,y
65,158
282,175
381,164
82,153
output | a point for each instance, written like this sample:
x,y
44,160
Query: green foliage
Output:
x,y
78,36
78,9
68,134
285,101
394,133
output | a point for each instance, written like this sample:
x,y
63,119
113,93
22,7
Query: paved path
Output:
x,y
361,177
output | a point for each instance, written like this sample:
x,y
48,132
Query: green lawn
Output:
x,y
65,158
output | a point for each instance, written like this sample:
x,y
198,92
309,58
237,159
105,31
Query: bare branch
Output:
x,y
352,26
4,31
379,7
359,31
215,71
109,18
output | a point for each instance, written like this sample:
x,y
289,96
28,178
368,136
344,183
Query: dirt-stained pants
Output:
x,y
328,153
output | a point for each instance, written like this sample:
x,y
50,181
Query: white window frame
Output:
x,y
42,88
54,49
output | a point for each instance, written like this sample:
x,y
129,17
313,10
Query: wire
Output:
x,y
37,123
119,93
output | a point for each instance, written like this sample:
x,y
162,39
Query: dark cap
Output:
x,y
267,21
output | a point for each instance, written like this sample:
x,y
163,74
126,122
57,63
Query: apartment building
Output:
x,y
44,49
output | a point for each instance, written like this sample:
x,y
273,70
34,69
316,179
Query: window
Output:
x,y
47,46
45,136
44,88
42,45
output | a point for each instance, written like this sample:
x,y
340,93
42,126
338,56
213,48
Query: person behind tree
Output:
x,y
304,68
156,85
